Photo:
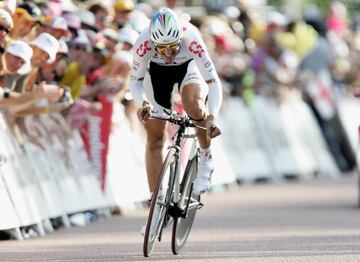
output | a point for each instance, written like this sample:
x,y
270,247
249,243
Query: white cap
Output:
x,y
23,50
110,33
68,6
72,20
128,35
231,12
48,43
274,17
82,38
6,19
59,23
86,17
8,5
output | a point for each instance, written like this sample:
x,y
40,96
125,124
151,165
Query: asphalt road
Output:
x,y
315,220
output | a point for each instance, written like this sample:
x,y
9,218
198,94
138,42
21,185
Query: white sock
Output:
x,y
205,151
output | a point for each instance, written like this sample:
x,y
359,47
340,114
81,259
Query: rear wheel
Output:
x,y
160,203
182,226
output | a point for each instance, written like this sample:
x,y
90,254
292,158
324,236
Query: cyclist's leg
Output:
x,y
193,92
194,105
156,135
155,130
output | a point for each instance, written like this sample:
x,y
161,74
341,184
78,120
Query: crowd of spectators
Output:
x,y
315,57
60,58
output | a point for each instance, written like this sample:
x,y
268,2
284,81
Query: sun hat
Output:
x,y
128,35
72,20
6,19
123,5
59,23
8,5
30,10
24,51
87,18
48,43
111,34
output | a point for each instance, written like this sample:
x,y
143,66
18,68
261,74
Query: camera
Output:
x,y
66,97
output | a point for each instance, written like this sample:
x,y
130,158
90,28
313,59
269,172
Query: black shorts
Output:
x,y
163,79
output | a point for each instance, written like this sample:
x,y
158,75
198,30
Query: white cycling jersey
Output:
x,y
192,47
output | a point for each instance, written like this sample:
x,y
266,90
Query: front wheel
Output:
x,y
160,203
182,226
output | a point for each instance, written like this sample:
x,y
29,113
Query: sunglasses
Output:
x,y
3,28
161,48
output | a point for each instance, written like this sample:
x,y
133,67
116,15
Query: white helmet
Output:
x,y
165,27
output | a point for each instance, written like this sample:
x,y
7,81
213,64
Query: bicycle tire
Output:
x,y
182,226
158,212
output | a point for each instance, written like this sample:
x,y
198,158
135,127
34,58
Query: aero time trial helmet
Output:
x,y
165,27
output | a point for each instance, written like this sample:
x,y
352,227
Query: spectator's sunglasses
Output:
x,y
162,48
5,29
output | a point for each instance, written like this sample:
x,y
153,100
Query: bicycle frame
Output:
x,y
178,202
183,122
177,189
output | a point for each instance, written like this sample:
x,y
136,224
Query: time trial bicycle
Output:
x,y
173,198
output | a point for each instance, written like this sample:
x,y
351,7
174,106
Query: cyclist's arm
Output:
x,y
142,53
197,49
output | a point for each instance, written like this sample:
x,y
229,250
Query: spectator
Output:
x,y
17,59
25,18
127,16
87,20
74,23
56,26
80,64
45,48
318,65
8,5
337,18
53,73
101,16
6,25
112,39
171,4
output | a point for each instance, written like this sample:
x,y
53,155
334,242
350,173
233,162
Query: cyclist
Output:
x,y
172,51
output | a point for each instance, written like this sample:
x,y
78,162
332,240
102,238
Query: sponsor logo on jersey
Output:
x,y
196,48
143,48
136,64
207,64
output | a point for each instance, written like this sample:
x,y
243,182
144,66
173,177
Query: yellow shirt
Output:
x,y
74,79
301,41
